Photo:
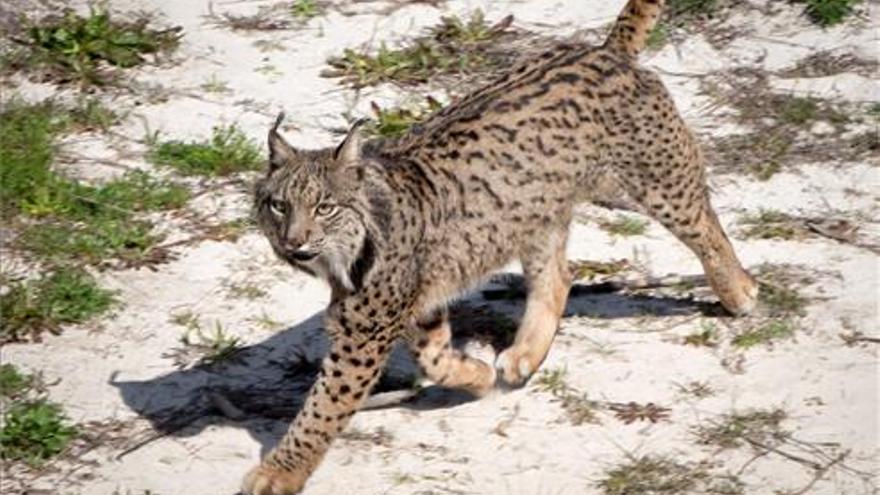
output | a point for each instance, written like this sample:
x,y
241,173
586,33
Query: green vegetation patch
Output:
x,y
828,12
305,9
658,36
706,336
228,151
759,426
689,8
65,224
200,347
71,47
766,333
68,295
771,224
782,300
396,121
33,429
14,383
455,45
590,270
625,226
577,406
34,432
659,475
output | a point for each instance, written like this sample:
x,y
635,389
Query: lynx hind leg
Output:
x,y
673,190
546,271
431,343
702,232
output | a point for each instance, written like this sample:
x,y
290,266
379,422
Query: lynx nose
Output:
x,y
300,251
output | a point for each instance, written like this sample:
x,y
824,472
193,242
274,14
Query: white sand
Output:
x,y
829,390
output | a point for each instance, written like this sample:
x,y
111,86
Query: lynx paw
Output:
x,y
516,365
263,480
483,380
742,298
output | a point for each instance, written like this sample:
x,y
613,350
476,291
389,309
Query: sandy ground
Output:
x,y
119,377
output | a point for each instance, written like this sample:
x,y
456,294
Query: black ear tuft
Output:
x,y
280,153
349,149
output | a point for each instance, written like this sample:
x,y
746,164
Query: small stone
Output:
x,y
822,128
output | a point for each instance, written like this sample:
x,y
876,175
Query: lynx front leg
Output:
x,y
444,365
548,279
347,375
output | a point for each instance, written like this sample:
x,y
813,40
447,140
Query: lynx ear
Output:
x,y
280,153
349,150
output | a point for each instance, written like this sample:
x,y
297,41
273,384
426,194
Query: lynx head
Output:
x,y
310,206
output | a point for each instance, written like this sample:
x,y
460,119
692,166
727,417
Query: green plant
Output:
x,y
75,47
766,333
577,406
215,85
771,224
828,12
13,383
90,114
707,336
764,171
589,270
650,475
34,431
658,36
474,30
246,291
874,110
625,225
394,122
454,45
781,300
682,8
305,9
27,133
68,295
92,224
213,347
798,111
228,151
732,430
552,381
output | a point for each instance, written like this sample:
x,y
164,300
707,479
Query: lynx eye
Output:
x,y
325,209
278,207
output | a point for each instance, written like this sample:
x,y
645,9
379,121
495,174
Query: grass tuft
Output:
x,y
200,347
656,475
65,224
14,383
828,12
782,300
658,36
93,224
590,270
90,114
707,336
577,406
33,432
625,225
66,296
75,48
228,151
760,426
766,333
455,45
395,122
305,9
771,224
680,12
